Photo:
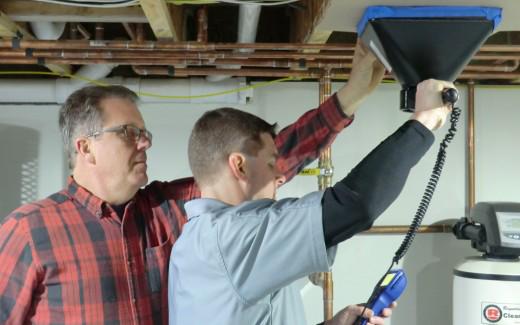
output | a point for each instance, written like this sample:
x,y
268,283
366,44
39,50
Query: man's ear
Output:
x,y
84,150
236,163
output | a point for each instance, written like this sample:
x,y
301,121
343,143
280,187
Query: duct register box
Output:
x,y
419,43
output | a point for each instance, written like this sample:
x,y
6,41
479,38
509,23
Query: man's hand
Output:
x,y
349,314
429,108
367,72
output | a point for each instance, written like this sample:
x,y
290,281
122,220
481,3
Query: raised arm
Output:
x,y
302,142
352,204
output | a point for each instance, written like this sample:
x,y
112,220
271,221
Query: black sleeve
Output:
x,y
353,204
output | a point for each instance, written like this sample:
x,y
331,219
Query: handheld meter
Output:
x,y
390,288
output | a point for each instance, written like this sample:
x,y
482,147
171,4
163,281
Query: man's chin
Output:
x,y
142,180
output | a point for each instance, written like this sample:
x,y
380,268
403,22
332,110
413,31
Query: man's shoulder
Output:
x,y
182,189
37,209
262,208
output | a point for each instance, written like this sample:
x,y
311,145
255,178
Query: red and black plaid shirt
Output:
x,y
69,259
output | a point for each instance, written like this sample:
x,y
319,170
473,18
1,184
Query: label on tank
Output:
x,y
500,313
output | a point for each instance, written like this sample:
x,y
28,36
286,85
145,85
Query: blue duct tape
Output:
x,y
375,12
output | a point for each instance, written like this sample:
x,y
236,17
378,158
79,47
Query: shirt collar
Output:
x,y
92,203
195,208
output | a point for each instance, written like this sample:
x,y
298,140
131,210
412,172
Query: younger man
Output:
x,y
241,249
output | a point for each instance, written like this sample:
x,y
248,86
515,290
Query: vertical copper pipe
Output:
x,y
324,181
100,31
471,146
73,31
139,33
202,24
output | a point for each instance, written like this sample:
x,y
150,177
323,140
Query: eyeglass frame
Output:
x,y
123,129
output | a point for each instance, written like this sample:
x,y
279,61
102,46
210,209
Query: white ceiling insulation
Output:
x,y
343,15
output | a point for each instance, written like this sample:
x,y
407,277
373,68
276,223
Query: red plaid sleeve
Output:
x,y
298,145
18,276
302,142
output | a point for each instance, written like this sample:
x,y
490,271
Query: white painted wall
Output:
x,y
31,154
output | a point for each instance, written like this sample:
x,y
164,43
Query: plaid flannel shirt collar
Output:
x,y
92,203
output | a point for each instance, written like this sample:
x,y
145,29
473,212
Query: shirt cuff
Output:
x,y
333,114
421,129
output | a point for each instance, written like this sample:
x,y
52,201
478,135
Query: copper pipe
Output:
x,y
73,33
325,160
495,56
202,24
185,72
276,50
225,46
100,31
471,147
266,72
18,58
284,56
114,44
489,75
346,49
325,181
314,61
397,229
139,33
328,296
494,67
500,48
189,46
161,58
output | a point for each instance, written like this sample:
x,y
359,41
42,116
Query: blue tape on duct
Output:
x,y
375,12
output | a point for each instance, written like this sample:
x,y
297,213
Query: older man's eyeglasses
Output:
x,y
131,132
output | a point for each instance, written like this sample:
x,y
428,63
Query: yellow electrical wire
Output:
x,y
225,92
147,94
48,73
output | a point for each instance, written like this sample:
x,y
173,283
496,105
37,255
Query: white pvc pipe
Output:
x,y
65,87
52,31
248,18
47,30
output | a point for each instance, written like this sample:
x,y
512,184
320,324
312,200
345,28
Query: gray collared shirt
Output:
x,y
234,265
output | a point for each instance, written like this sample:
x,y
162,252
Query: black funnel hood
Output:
x,y
419,48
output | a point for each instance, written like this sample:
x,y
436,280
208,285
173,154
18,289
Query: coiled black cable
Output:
x,y
450,95
430,187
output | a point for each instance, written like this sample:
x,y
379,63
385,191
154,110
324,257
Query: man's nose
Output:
x,y
143,143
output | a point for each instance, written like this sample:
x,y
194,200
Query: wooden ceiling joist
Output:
x,y
318,37
305,21
160,19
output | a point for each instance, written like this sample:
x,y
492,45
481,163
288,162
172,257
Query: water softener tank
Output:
x,y
486,288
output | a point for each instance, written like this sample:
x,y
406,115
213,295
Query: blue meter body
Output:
x,y
388,291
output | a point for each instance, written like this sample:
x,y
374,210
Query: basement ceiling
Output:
x,y
178,39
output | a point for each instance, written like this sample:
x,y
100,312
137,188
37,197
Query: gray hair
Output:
x,y
82,114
